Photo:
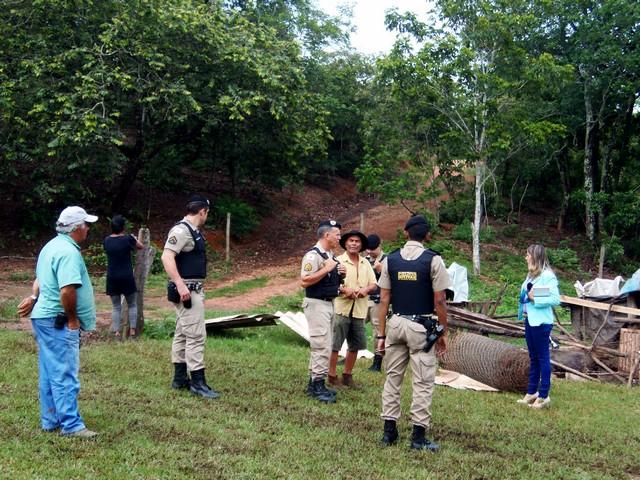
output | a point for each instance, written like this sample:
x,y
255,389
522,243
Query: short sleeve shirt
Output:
x,y
60,264
411,251
313,261
360,278
180,239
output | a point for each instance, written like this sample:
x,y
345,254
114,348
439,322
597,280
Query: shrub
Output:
x,y
510,231
614,255
95,257
457,210
564,258
463,233
244,218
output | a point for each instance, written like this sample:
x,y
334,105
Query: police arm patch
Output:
x,y
172,240
308,267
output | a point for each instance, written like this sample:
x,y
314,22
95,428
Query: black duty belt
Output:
x,y
194,286
326,299
417,318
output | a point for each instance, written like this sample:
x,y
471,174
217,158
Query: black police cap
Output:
x,y
197,199
415,220
373,241
329,223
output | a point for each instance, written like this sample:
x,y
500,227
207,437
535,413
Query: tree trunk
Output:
x,y
561,163
144,260
126,182
477,216
589,155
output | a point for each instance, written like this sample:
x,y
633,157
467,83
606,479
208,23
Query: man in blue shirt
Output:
x,y
61,305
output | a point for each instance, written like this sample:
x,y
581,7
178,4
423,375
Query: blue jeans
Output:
x,y
116,313
58,365
539,358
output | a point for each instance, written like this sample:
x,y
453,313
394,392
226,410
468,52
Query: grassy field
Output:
x,y
265,427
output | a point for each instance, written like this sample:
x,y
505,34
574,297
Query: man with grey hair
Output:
x,y
320,276
62,303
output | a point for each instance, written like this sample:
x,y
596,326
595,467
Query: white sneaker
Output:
x,y
541,403
528,399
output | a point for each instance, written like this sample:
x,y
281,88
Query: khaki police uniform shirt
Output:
x,y
411,251
180,238
313,261
356,278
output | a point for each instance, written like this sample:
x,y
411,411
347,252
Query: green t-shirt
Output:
x,y
60,264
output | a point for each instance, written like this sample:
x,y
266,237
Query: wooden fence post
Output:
x,y
144,261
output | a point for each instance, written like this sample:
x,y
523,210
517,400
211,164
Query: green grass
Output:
x,y
9,310
238,288
20,276
265,427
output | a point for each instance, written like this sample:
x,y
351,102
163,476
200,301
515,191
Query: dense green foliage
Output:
x,y
536,100
503,107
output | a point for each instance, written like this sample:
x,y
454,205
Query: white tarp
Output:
x,y
460,285
600,287
298,323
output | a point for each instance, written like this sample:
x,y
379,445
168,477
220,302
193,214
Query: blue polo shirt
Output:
x,y
60,264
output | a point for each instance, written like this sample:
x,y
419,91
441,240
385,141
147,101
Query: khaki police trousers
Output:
x,y
373,316
404,344
319,315
190,334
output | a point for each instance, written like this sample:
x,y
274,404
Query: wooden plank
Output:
x,y
599,305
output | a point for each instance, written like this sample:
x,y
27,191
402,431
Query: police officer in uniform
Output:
x,y
414,280
185,261
320,276
375,256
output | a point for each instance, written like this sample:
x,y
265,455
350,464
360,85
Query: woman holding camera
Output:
x,y
120,281
538,295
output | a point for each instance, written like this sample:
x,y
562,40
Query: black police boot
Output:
x,y
309,390
321,393
376,366
199,385
390,435
418,442
180,376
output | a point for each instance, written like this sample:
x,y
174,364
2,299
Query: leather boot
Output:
x,y
180,376
418,442
376,366
347,380
199,385
320,392
334,381
309,390
390,435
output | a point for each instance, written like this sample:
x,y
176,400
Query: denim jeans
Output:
x,y
539,358
58,365
116,313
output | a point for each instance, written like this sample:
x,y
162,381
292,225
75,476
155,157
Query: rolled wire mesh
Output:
x,y
492,362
